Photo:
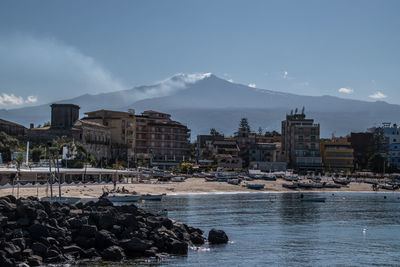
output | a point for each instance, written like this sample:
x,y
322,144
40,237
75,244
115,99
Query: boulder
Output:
x,y
178,247
217,237
197,239
35,260
113,253
88,230
135,245
105,239
38,230
39,249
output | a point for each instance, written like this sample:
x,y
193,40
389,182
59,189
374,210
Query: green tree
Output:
x,y
376,162
37,153
214,132
244,125
7,145
186,167
47,123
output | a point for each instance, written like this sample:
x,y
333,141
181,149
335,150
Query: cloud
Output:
x,y
285,75
252,85
11,99
378,95
31,99
230,80
345,90
51,69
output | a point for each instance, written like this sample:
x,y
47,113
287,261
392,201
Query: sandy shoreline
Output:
x,y
190,186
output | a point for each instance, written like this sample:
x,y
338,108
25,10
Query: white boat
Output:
x,y
123,197
152,197
69,200
178,179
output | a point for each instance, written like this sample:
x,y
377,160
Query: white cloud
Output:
x,y
31,99
50,69
11,99
230,80
345,90
252,85
285,75
378,95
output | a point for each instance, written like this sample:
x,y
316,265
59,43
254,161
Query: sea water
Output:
x,y
277,229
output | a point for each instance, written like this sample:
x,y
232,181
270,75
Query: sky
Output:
x,y
53,50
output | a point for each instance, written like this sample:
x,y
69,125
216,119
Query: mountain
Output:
x,y
204,101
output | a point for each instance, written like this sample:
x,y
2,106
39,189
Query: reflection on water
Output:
x,y
357,229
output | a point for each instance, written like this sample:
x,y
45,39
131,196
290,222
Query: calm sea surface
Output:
x,y
349,229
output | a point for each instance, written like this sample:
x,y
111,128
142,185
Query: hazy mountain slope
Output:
x,y
206,101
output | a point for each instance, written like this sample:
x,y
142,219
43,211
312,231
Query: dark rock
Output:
x,y
178,247
104,202
106,221
91,253
24,221
135,245
105,239
88,230
39,248
5,261
38,230
35,260
113,253
217,237
3,220
197,239
85,242
71,249
27,253
20,242
75,223
7,206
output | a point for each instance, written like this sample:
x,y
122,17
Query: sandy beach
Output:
x,y
189,186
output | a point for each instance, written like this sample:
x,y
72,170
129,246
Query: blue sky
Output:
x,y
53,50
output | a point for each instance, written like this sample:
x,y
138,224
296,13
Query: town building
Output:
x,y
223,150
362,144
337,154
300,142
65,122
266,157
160,140
391,144
122,126
12,129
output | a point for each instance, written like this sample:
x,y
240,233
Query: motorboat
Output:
x,y
114,197
290,186
234,181
156,197
66,200
305,185
178,179
255,186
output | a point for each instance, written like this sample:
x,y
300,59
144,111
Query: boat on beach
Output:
x,y
255,186
305,185
341,181
290,186
67,200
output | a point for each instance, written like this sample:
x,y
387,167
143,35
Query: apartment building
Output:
x,y
300,142
122,126
337,154
164,142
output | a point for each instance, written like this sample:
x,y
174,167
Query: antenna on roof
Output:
x,y
295,111
302,111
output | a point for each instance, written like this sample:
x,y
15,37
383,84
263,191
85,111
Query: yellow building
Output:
x,y
337,154
122,126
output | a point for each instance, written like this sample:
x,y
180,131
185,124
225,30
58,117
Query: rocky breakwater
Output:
x,y
36,233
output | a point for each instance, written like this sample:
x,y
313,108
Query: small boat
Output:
x,y
389,187
255,186
313,199
317,185
233,181
305,185
268,178
152,197
178,179
290,186
67,200
341,181
223,180
210,179
122,197
332,186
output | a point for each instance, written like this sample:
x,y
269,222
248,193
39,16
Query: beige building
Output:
x,y
337,154
122,126
300,142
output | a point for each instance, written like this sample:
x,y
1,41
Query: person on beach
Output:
x,y
115,184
